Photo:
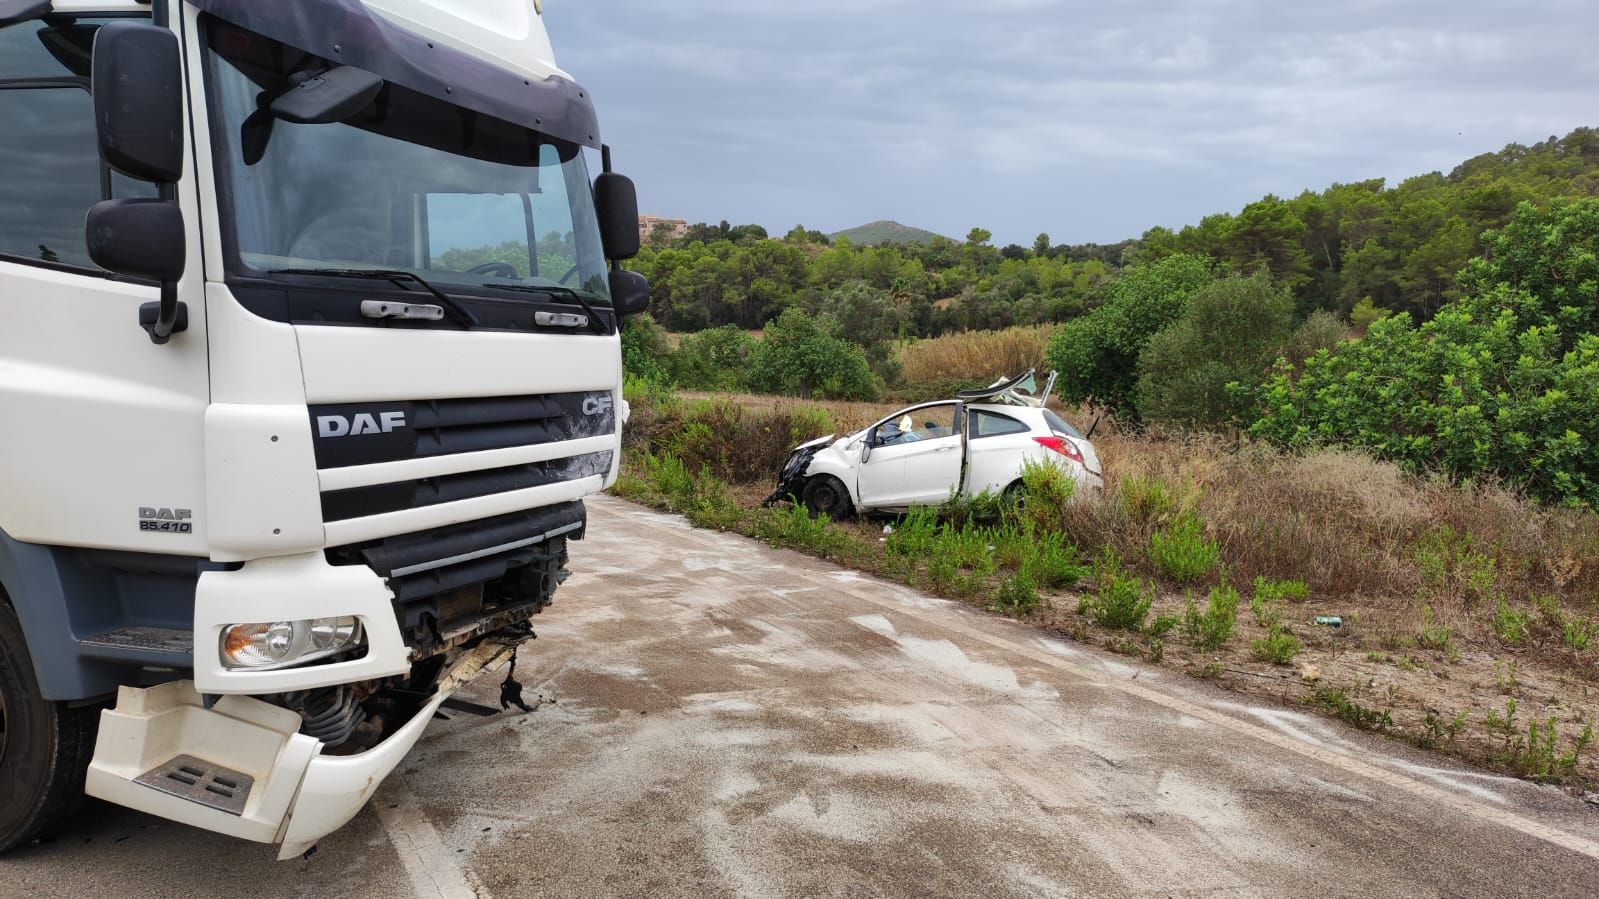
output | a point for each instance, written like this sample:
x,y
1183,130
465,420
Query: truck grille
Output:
x,y
367,433
357,502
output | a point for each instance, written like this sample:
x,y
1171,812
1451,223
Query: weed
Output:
x,y
1017,595
1278,647
1157,649
1451,566
1281,591
793,526
1209,629
1340,704
1435,634
1208,671
1505,677
1509,623
1375,656
1182,552
1437,731
1535,754
1267,610
1578,633
1122,601
1161,626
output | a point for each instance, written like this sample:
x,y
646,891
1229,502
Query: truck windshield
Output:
x,y
472,203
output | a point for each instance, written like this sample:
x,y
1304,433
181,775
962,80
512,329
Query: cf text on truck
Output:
x,y
308,357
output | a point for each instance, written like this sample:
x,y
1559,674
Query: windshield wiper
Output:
x,y
597,324
395,276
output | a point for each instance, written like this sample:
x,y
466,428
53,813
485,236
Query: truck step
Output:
x,y
131,642
200,781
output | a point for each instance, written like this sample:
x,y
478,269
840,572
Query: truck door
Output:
x,y
99,422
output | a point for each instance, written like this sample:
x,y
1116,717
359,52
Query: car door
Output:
x,y
915,458
997,442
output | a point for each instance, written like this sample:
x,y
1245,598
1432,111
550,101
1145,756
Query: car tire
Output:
x,y
826,495
45,746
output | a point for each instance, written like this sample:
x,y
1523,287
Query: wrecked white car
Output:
x,y
921,455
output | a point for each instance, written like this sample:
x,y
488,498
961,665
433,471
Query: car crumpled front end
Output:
x,y
792,478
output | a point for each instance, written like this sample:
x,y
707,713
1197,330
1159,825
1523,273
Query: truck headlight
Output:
x,y
270,645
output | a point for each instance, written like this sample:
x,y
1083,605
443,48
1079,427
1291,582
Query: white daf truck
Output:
x,y
308,357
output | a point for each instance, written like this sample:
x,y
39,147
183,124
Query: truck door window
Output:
x,y
52,172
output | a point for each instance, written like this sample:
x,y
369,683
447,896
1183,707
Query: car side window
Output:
x,y
913,425
992,424
53,172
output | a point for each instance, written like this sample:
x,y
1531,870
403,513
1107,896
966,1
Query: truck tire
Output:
x,y
826,495
45,746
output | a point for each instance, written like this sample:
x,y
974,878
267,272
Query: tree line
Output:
x,y
1357,250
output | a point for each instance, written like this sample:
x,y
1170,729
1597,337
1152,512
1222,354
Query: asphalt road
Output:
x,y
719,718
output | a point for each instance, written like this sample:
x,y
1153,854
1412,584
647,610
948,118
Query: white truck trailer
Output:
x,y
309,354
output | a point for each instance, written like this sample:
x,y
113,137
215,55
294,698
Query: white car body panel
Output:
x,y
896,477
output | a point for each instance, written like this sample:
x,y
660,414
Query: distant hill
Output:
x,y
877,232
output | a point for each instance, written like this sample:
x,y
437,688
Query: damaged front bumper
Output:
x,y
242,768
791,480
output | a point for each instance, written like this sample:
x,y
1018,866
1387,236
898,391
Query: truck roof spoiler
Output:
x,y
347,32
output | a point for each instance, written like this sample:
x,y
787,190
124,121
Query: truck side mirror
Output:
x,y
138,113
616,201
138,100
630,292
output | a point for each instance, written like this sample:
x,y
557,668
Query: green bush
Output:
x,y
1121,601
645,349
1210,629
1097,354
1509,623
795,357
1017,595
1281,591
792,526
1182,552
1278,647
715,359
1205,369
1503,382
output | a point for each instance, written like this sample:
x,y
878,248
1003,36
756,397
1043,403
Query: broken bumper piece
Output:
x,y
242,767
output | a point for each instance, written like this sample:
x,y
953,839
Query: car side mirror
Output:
x,y
630,292
138,113
616,202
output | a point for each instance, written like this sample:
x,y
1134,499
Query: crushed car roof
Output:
x,y
1021,390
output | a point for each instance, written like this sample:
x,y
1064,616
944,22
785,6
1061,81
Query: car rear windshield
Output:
x,y
1056,423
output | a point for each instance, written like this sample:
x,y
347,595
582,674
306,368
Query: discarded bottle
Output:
x,y
1329,621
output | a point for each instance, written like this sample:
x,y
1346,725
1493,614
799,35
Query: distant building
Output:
x,y
647,224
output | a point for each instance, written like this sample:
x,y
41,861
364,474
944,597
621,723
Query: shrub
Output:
x,y
1578,633
1503,382
1509,623
1097,354
1281,591
796,357
792,526
645,348
716,359
1017,595
1210,629
1121,601
1278,647
1182,552
1231,332
1340,704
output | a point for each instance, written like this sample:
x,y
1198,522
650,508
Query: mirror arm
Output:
x,y
166,318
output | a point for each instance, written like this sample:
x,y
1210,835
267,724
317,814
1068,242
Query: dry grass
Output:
x,y
976,355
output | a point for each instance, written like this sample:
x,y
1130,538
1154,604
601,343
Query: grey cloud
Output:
x,y
1089,121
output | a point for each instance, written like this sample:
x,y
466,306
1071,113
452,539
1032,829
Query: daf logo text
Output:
x,y
597,405
357,425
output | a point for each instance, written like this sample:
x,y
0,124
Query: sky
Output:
x,y
1089,121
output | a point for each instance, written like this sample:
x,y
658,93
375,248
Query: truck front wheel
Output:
x,y
44,746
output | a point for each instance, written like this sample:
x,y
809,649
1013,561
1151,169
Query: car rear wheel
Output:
x,y
826,495
44,746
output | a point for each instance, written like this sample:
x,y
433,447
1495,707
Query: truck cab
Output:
x,y
309,357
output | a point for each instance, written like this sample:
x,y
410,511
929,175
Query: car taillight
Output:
x,y
1061,445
